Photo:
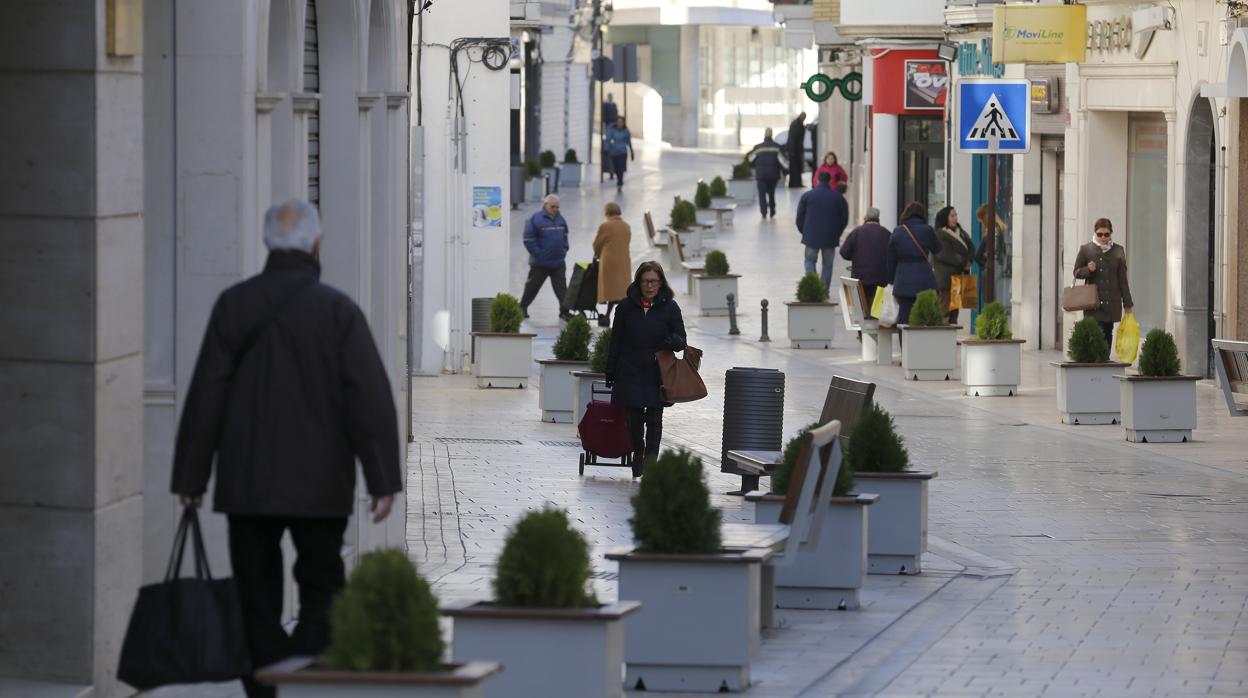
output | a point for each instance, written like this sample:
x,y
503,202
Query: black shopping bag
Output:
x,y
582,293
185,630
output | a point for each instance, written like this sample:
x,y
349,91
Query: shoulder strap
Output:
x,y
922,252
272,313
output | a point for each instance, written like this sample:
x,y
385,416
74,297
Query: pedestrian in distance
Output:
x,y
620,150
957,252
832,166
866,250
610,112
611,249
288,391
648,321
909,247
822,215
1104,262
546,239
769,165
796,146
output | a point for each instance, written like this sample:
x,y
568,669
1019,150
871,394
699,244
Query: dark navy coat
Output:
x,y
768,160
635,338
822,214
907,264
546,239
866,248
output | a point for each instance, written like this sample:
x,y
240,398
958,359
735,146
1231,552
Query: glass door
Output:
x,y
921,172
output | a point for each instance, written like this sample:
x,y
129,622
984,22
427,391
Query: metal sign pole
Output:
x,y
990,269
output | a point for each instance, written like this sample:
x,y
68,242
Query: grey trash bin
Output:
x,y
753,415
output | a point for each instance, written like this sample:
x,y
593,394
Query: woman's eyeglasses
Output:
x,y
1104,235
650,282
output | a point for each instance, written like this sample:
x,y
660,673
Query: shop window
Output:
x,y
1145,232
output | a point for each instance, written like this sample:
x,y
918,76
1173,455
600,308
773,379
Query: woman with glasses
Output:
x,y
1103,262
646,321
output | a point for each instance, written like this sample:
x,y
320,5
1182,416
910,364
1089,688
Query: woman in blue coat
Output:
x,y
647,321
908,250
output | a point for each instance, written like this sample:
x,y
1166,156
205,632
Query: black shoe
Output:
x,y
773,213
604,321
565,315
526,313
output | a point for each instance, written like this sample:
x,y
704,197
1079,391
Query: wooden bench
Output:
x,y
690,267
657,242
877,341
1231,359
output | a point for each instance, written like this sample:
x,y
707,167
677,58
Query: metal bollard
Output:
x,y
764,338
732,314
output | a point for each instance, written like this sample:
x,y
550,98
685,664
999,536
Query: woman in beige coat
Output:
x,y
614,265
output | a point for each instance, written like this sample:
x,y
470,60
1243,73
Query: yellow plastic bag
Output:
x,y
877,303
1128,340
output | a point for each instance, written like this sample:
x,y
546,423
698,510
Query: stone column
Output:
x,y
71,351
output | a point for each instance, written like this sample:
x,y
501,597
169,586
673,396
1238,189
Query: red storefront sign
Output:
x,y
908,81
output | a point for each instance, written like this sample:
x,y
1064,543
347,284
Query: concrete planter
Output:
x,y
929,353
724,202
705,216
1158,409
811,325
1087,394
552,179
582,381
712,293
698,627
742,190
692,242
557,391
992,367
298,677
546,652
570,175
534,189
504,359
898,522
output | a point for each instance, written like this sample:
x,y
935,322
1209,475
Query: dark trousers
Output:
x,y
537,277
256,555
645,427
1108,329
619,164
767,194
795,171
869,290
903,309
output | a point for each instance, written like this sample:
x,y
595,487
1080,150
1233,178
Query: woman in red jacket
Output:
x,y
834,170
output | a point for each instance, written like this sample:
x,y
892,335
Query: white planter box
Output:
x,y
1158,410
898,522
298,678
743,190
811,325
570,175
546,652
724,202
552,178
692,242
830,576
504,360
557,396
929,353
705,216
534,189
992,367
712,293
1088,393
698,627
582,384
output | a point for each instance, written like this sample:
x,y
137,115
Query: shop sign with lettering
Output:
x,y
1039,33
976,60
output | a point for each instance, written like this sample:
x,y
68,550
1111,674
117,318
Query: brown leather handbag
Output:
x,y
679,377
1083,297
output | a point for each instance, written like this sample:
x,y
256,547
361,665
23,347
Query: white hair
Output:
x,y
292,225
550,199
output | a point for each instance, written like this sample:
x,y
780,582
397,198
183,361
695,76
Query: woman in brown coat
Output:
x,y
614,265
1104,262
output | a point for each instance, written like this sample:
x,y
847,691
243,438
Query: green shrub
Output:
x,y
544,564
672,511
702,197
784,471
573,341
716,263
1159,356
683,215
602,349
570,157
1087,343
742,170
810,289
875,446
505,314
547,158
532,169
992,322
719,188
926,310
385,619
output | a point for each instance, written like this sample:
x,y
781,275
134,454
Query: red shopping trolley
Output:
x,y
604,432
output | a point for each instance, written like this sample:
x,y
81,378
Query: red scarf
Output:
x,y
645,303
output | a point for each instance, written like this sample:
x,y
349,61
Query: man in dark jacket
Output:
x,y
610,112
866,249
769,164
287,393
797,150
822,214
546,239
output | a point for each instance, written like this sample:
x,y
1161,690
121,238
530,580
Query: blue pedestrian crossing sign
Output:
x,y
993,116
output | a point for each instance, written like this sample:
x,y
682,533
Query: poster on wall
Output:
x,y
927,84
487,207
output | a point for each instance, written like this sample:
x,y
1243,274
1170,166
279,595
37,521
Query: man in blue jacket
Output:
x,y
769,163
546,239
822,214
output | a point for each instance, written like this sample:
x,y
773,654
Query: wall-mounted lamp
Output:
x,y
947,51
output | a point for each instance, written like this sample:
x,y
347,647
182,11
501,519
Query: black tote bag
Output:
x,y
185,630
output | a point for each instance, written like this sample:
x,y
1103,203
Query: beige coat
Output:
x,y
615,268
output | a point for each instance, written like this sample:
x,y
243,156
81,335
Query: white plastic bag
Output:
x,y
891,311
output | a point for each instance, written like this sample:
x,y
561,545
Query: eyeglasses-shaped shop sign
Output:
x,y
993,116
820,87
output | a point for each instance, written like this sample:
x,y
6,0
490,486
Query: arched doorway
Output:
x,y
1200,238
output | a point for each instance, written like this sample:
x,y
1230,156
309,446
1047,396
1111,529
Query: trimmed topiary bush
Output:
x,y
702,197
875,446
1087,343
742,170
992,322
570,158
545,564
602,349
532,169
684,215
1159,356
546,158
719,188
926,310
810,289
672,511
505,314
385,619
573,341
716,263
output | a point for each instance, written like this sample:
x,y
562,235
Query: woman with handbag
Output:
x,y
646,322
957,251
908,249
1103,263
611,250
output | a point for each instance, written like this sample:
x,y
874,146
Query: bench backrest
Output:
x,y
810,489
649,226
846,402
853,303
1231,359
680,246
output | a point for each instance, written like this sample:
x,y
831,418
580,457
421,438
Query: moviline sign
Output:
x,y
1039,33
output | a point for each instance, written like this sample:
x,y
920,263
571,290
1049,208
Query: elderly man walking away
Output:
x,y
866,250
287,393
822,214
546,239
769,164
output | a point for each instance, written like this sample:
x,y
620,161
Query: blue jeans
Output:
x,y
829,257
